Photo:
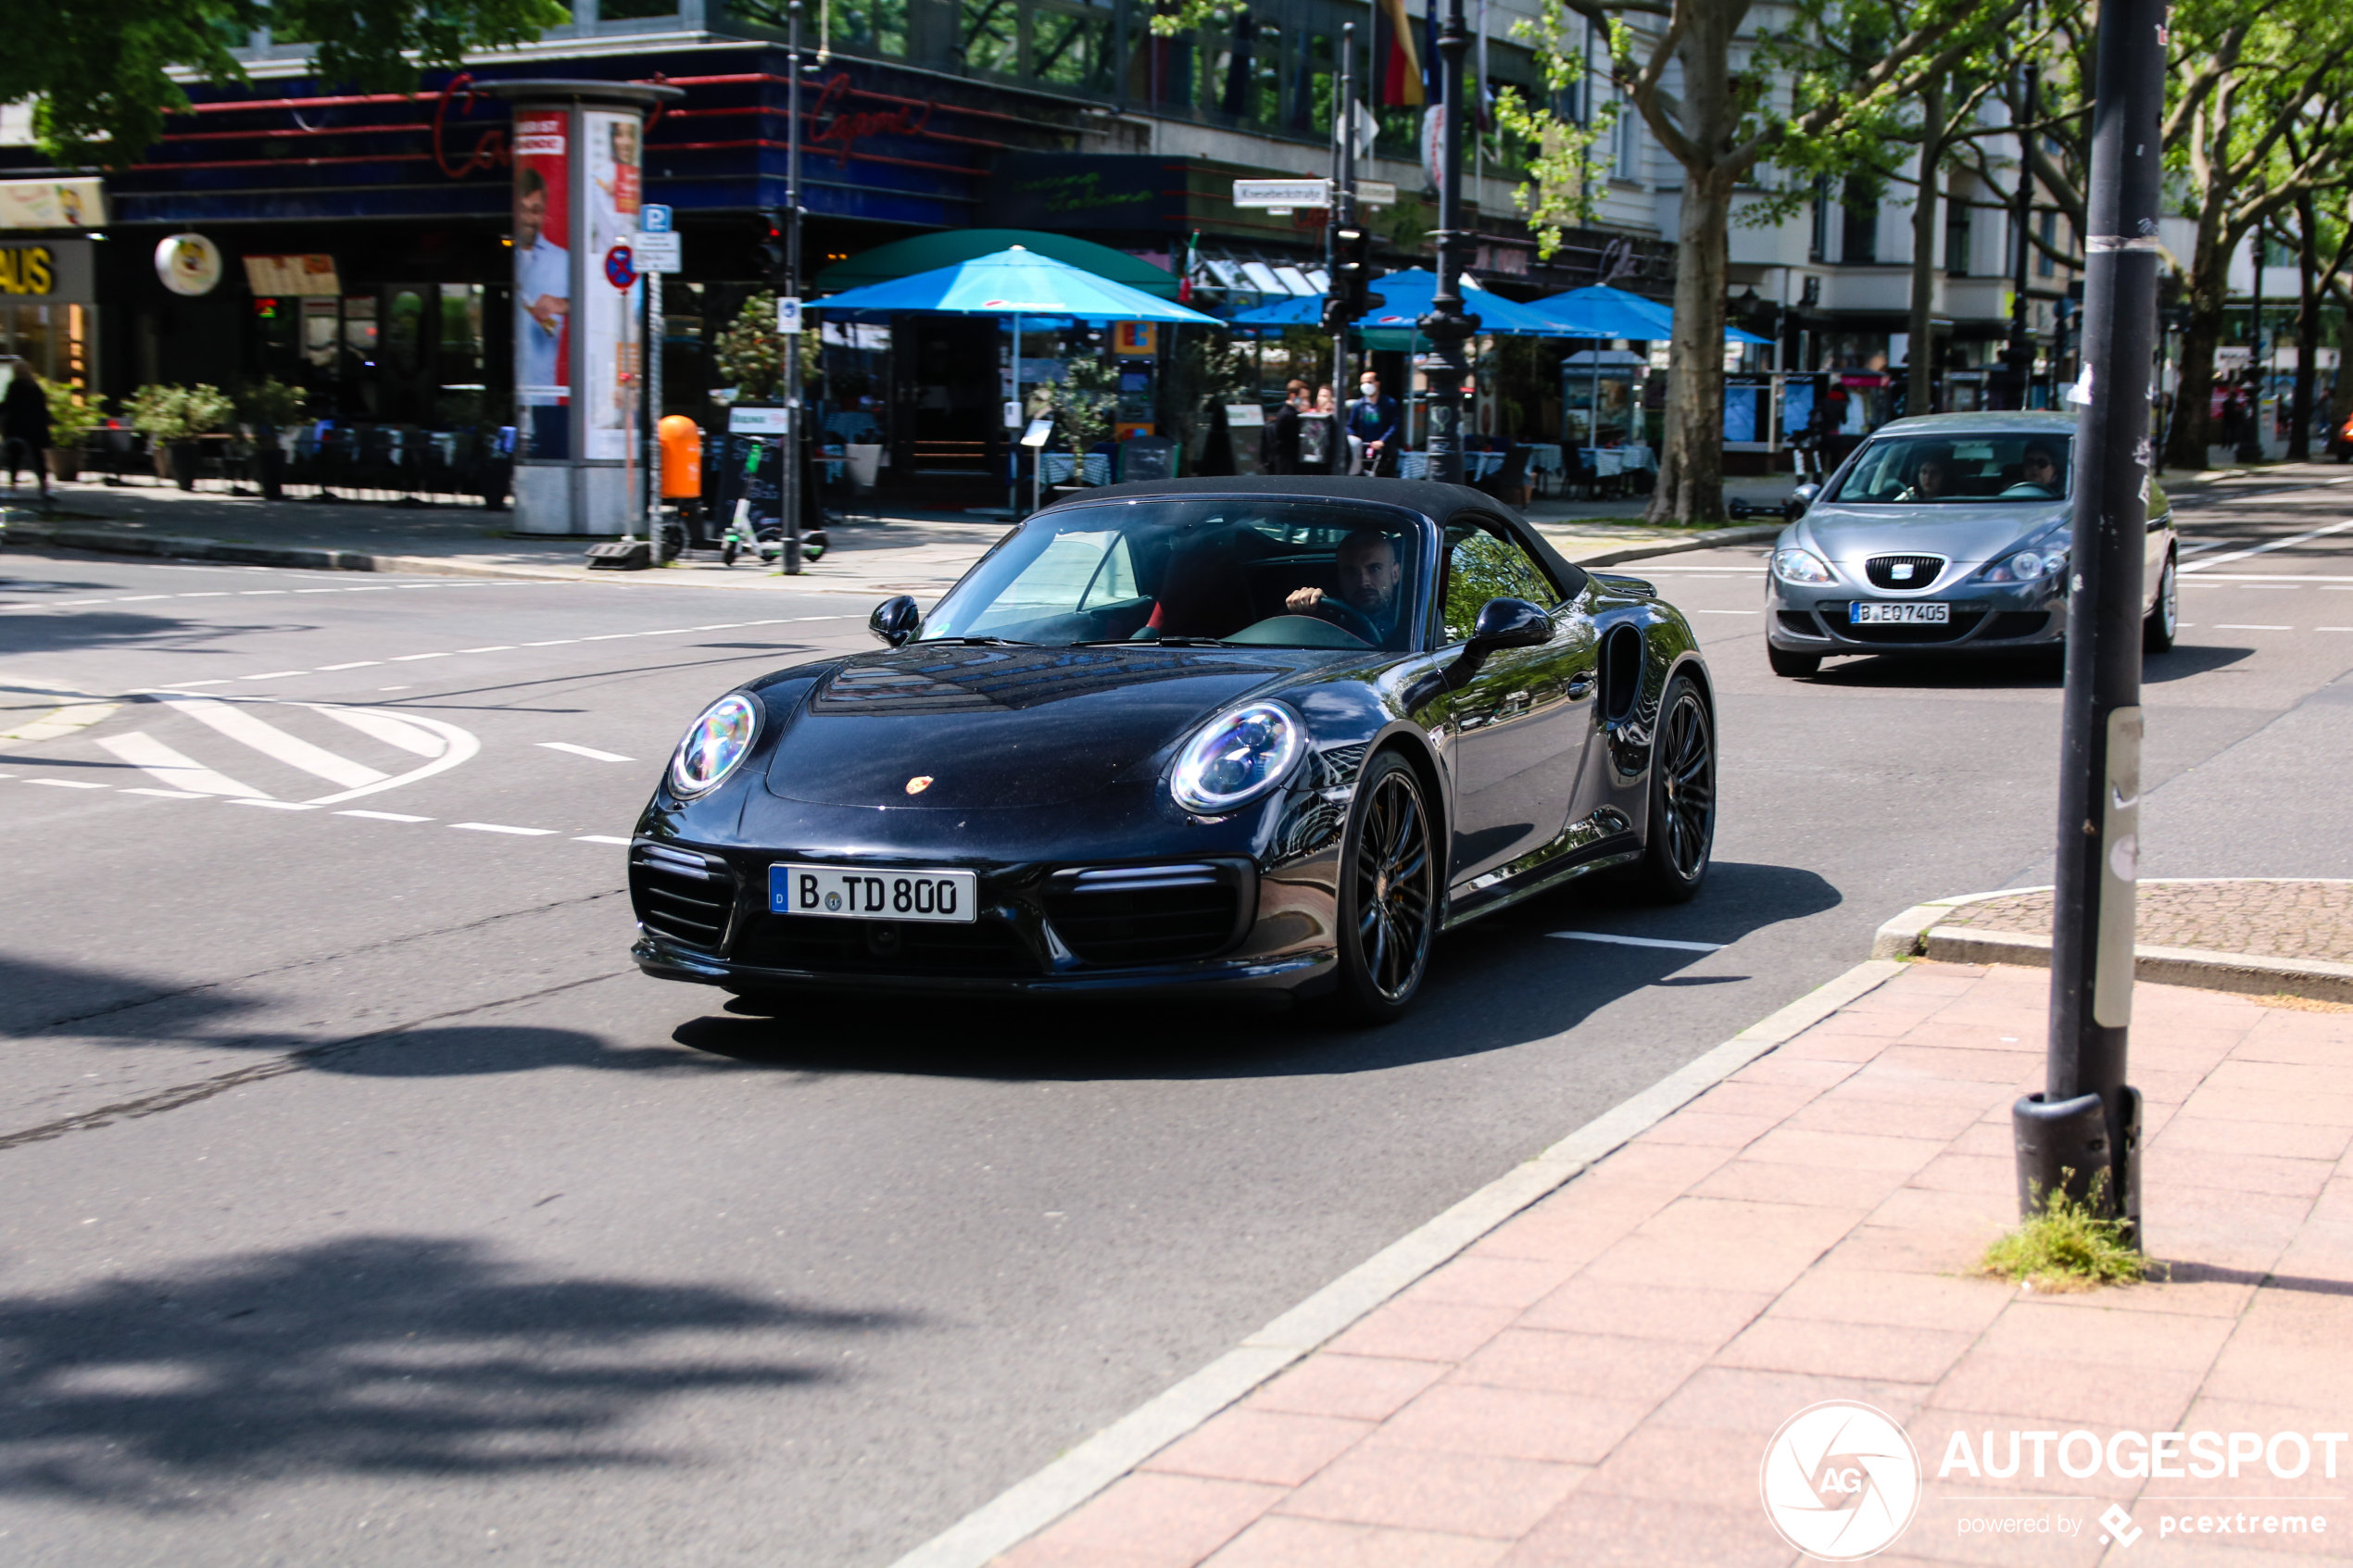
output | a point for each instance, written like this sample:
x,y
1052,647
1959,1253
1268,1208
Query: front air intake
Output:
x,y
1127,915
681,894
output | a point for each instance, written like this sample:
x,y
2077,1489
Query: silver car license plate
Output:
x,y
1859,613
851,893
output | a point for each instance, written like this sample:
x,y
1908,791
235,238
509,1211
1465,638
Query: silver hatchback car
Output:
x,y
1944,533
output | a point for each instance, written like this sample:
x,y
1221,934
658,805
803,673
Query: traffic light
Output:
x,y
1353,271
772,243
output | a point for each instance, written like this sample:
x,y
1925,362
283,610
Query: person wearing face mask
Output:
x,y
1372,428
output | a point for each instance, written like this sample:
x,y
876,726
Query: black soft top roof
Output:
x,y
1438,502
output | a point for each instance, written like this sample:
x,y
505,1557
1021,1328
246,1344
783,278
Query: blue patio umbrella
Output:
x,y
1603,311
1013,283
1406,297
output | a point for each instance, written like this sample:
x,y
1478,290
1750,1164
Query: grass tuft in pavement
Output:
x,y
2067,1246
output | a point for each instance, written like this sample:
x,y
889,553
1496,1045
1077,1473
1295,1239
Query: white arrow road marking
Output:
x,y
165,765
240,724
1638,941
590,752
390,730
460,746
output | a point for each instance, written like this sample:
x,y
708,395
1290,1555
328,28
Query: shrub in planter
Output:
x,y
70,421
172,417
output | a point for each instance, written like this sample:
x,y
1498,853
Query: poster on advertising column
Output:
x,y
610,140
543,282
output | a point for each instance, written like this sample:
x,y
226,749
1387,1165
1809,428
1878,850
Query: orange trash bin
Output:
x,y
681,441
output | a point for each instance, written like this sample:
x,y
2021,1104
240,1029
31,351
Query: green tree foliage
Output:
x,y
750,354
100,70
1758,115
1085,401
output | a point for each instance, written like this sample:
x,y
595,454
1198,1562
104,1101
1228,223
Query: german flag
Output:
x,y
1401,72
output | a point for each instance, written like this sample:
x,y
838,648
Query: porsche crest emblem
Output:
x,y
918,784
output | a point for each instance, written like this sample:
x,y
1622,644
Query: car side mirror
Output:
x,y
1509,623
1799,498
896,620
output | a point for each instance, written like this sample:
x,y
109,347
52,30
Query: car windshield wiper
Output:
x,y
1155,643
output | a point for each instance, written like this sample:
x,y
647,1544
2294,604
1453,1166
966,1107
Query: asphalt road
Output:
x,y
358,1201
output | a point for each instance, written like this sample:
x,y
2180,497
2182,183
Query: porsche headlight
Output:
x,y
1235,758
1800,566
714,743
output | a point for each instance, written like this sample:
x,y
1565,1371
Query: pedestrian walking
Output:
x,y
1282,432
1372,430
24,425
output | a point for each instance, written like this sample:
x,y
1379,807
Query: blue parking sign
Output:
x,y
653,220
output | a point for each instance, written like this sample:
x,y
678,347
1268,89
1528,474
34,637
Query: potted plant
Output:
x,y
268,406
1084,402
172,417
70,421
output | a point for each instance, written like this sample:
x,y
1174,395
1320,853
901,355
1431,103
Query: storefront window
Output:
x,y
636,10
992,37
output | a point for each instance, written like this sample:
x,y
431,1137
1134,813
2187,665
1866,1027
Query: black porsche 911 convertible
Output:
x,y
1268,734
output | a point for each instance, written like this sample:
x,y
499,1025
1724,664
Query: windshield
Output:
x,y
1257,571
1973,469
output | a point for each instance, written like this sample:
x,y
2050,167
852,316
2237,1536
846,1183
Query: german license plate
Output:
x,y
1859,613
852,892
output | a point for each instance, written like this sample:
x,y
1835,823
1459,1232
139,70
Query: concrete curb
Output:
x,y
1715,538
1917,933
109,541
1030,1506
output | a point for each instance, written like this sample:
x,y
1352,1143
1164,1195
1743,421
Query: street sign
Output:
x,y
1377,193
789,316
756,421
619,271
1282,193
657,250
1037,434
654,218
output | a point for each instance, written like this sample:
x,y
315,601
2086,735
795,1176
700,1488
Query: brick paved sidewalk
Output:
x,y
2272,919
1596,1380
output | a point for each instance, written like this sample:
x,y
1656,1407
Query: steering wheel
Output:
x,y
1348,618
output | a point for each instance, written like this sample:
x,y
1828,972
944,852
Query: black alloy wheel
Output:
x,y
1388,893
2165,616
1682,824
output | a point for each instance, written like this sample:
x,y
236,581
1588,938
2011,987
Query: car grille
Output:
x,y
1918,571
681,894
1964,621
987,948
1146,914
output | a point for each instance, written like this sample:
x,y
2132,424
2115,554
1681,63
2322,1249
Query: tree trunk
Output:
x,y
1920,358
2209,293
1691,470
2307,328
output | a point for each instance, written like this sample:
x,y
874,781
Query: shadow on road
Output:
x,y
1500,982
2027,670
370,1355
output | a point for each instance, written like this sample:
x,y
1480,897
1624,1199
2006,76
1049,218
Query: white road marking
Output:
x,y
68,783
163,763
240,724
590,752
2332,628
273,675
62,721
2275,545
168,794
354,664
498,827
385,727
597,838
187,685
2274,587
208,594
384,816
555,643
495,647
2242,626
412,658
1638,941
259,592
278,805
141,598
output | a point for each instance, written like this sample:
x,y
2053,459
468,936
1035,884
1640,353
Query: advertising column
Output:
x,y
578,185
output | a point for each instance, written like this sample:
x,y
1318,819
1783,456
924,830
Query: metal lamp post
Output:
x,y
789,473
1446,326
2082,1132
